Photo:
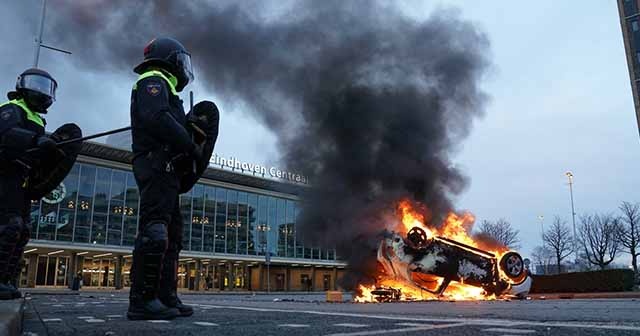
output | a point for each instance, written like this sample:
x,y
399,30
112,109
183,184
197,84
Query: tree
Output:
x,y
598,238
542,256
502,231
559,240
630,231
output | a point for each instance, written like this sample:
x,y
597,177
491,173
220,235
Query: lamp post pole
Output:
x,y
573,215
541,218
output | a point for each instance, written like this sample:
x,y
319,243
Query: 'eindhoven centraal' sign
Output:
x,y
255,169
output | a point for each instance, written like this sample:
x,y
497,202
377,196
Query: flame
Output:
x,y
455,227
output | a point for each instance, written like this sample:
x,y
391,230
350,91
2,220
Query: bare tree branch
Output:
x,y
559,239
542,256
630,231
598,237
502,232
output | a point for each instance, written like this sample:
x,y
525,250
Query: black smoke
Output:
x,y
366,101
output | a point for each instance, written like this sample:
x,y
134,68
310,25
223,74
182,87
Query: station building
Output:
x,y
239,230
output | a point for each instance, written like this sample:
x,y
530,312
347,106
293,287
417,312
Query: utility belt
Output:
x,y
163,158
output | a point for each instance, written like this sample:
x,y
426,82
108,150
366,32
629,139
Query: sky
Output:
x,y
560,100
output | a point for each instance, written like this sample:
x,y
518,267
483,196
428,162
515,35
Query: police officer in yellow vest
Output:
x,y
21,129
160,138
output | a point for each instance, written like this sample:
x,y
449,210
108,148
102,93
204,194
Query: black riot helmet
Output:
x,y
38,89
170,55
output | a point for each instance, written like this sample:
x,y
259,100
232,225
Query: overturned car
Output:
x,y
410,259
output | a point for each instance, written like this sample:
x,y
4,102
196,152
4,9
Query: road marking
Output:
x,y
290,325
114,316
401,330
52,320
351,325
473,321
158,321
85,317
56,305
510,331
206,324
406,324
94,320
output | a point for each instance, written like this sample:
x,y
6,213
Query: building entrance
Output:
x,y
52,271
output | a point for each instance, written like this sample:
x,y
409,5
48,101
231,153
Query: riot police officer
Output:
x,y
160,139
22,130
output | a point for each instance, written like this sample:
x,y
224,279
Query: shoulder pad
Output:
x,y
153,86
10,117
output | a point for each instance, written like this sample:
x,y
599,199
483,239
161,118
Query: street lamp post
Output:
x,y
541,218
38,40
573,215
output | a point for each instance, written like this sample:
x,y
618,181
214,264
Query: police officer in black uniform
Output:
x,y
21,129
160,140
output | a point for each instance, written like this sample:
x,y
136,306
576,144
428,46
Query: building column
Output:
x,y
118,272
334,279
71,270
287,278
261,285
198,274
31,270
313,278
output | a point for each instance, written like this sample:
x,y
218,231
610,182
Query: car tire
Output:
x,y
512,265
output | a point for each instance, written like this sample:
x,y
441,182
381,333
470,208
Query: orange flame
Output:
x,y
455,227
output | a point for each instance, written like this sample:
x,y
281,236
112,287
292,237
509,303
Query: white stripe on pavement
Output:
x,y
510,331
351,325
473,321
52,320
85,317
158,321
291,325
206,324
402,330
94,320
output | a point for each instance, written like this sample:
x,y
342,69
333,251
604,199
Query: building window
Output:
x,y
197,218
630,7
221,219
209,219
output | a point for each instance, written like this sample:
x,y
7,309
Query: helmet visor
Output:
x,y
183,61
39,83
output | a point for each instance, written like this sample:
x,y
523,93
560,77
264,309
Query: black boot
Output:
x,y
9,242
145,276
168,284
14,269
6,292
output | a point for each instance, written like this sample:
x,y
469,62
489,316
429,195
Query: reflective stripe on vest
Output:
x,y
171,81
30,114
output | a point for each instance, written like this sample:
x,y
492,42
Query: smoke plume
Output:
x,y
364,100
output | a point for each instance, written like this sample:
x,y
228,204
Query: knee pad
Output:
x,y
11,231
153,238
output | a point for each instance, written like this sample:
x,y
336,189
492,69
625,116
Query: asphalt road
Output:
x,y
103,313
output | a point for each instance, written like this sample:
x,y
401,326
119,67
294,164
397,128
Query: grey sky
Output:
x,y
560,100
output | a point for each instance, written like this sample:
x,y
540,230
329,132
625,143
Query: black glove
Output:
x,y
197,151
46,144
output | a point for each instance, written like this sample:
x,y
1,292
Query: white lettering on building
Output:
x,y
234,164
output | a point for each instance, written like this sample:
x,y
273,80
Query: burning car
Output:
x,y
431,263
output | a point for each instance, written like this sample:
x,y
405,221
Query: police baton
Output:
x,y
97,135
88,137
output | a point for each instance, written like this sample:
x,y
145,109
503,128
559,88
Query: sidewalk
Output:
x,y
11,312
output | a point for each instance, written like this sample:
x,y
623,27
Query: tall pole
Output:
x,y
541,218
573,215
36,57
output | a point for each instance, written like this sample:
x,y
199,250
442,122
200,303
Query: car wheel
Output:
x,y
512,266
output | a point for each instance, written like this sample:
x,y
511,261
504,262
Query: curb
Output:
x,y
11,314
606,295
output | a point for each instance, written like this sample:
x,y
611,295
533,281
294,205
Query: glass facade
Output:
x,y
99,205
